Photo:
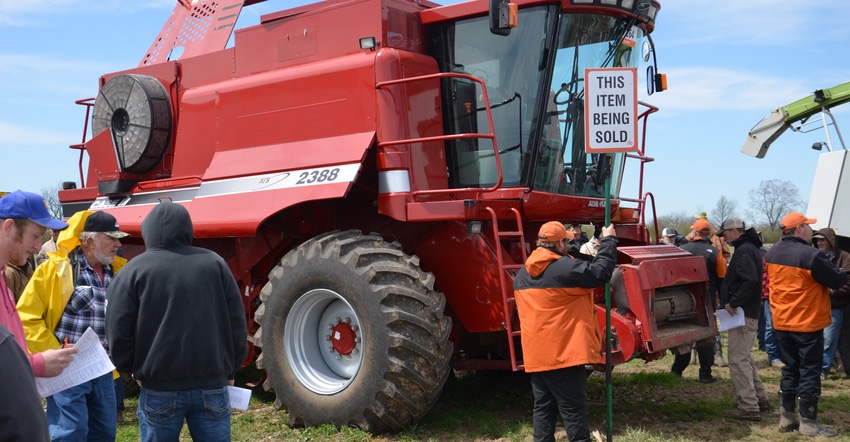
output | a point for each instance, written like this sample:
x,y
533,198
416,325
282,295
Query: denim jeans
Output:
x,y
563,390
83,413
119,394
205,410
762,324
771,347
830,338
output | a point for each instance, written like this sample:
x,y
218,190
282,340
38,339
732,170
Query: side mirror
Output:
x,y
655,82
503,17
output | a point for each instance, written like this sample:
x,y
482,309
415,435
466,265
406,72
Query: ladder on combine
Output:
x,y
507,269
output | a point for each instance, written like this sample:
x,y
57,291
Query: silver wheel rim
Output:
x,y
313,329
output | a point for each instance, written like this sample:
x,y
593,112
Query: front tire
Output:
x,y
353,333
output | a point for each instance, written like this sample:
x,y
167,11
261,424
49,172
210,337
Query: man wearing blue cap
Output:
x,y
23,221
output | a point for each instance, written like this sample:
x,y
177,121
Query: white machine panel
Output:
x,y
829,201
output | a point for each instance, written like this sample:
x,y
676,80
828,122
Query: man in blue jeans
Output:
x,y
175,320
826,241
65,297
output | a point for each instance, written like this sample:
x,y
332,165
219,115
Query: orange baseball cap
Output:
x,y
701,225
553,231
794,219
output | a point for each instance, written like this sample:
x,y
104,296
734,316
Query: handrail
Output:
x,y
491,135
641,156
646,196
89,104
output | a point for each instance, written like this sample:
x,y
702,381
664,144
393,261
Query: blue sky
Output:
x,y
728,64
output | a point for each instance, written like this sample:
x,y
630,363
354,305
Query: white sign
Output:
x,y
610,110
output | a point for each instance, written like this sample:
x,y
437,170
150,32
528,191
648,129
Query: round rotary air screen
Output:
x,y
137,111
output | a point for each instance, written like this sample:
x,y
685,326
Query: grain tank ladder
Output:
x,y
509,269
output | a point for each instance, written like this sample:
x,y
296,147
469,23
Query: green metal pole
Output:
x,y
609,364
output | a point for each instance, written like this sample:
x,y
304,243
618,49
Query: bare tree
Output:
x,y
724,209
772,200
51,197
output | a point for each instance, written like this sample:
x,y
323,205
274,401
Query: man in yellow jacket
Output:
x,y
65,297
560,333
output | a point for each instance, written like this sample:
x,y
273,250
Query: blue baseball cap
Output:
x,y
20,204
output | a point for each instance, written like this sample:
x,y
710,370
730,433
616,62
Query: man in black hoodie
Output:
x,y
174,319
742,288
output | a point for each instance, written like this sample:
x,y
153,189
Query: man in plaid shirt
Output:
x,y
86,411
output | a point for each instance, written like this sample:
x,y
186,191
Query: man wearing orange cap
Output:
x,y
718,242
800,276
700,245
560,333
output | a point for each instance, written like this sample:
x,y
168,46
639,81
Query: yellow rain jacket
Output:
x,y
45,296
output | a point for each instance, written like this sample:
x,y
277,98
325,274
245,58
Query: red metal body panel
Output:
x,y
288,135
196,30
415,106
654,268
468,275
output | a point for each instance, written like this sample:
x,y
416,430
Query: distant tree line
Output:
x,y
768,203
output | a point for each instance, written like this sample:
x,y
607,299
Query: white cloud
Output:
x,y
16,135
716,89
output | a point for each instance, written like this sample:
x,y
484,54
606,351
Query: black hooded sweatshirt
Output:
x,y
174,315
742,285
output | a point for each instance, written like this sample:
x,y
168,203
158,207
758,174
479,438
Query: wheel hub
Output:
x,y
343,338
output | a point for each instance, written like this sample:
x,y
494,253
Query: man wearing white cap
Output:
x,y
66,296
800,276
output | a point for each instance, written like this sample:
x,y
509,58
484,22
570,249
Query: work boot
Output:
x,y
764,404
809,425
718,355
742,415
787,416
777,363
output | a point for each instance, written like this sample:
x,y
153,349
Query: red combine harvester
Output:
x,y
375,172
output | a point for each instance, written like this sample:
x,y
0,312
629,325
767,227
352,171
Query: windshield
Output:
x,y
536,97
584,41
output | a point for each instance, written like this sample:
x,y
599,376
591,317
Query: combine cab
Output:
x,y
375,172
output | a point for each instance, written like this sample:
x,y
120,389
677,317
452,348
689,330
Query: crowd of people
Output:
x,y
793,293
800,282
59,290
55,292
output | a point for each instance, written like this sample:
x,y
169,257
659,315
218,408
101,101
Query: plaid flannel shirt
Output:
x,y
87,306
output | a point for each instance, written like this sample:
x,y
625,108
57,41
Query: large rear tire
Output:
x,y
353,333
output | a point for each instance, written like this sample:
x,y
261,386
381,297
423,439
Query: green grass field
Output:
x,y
649,404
